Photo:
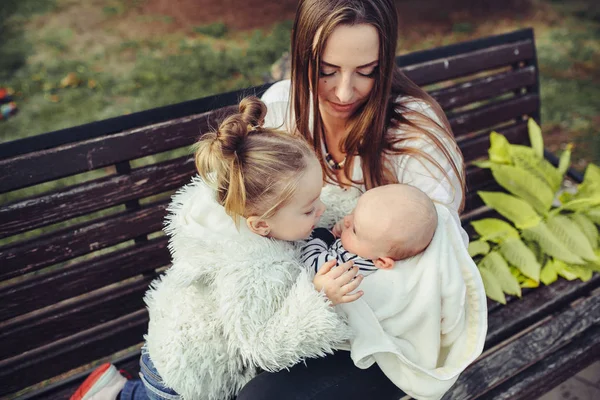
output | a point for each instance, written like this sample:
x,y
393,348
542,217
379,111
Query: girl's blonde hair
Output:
x,y
255,170
387,106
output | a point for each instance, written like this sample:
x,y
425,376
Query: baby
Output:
x,y
422,316
389,223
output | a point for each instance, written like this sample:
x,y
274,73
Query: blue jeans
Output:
x,y
149,386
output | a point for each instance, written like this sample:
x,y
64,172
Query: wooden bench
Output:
x,y
78,250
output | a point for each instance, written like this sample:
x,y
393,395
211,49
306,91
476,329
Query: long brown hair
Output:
x,y
255,170
368,135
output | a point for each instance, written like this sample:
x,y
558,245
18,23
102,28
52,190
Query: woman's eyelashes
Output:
x,y
310,212
324,74
369,74
365,74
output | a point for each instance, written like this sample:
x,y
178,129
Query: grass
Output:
x,y
67,80
568,49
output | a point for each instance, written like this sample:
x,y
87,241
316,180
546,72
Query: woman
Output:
x,y
370,125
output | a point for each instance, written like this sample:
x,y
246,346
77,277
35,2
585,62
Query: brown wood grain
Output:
x,y
65,388
74,280
490,115
46,165
77,200
34,254
543,376
63,355
537,305
484,88
57,322
496,367
475,147
470,63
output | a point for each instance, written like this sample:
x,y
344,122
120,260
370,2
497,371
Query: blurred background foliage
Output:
x,y
68,62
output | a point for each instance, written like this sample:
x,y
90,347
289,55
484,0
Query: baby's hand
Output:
x,y
338,283
338,228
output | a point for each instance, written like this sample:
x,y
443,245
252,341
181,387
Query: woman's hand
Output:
x,y
338,283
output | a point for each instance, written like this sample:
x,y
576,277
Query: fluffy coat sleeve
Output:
x,y
276,319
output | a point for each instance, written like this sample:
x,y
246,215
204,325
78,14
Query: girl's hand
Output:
x,y
338,283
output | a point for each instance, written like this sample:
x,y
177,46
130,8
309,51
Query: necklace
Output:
x,y
330,161
332,164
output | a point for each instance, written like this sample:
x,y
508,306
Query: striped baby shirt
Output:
x,y
322,246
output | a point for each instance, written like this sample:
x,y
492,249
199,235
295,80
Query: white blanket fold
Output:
x,y
425,320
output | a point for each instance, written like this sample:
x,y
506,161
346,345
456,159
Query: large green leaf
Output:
x,y
565,160
535,137
526,158
494,229
518,254
529,283
478,247
525,185
594,215
587,227
549,274
563,270
550,244
591,182
498,266
499,150
517,211
482,163
580,271
579,204
492,286
571,236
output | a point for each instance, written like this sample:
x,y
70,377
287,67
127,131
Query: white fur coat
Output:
x,y
231,302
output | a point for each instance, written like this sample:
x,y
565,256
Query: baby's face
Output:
x,y
362,233
390,222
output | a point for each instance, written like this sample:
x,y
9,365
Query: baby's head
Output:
x,y
270,178
390,223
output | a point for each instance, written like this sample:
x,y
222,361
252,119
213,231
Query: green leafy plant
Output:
x,y
547,231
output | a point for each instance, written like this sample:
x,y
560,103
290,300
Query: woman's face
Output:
x,y
348,67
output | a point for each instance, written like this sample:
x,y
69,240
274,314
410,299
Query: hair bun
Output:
x,y
233,131
253,111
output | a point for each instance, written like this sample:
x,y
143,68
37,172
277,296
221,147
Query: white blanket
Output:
x,y
425,320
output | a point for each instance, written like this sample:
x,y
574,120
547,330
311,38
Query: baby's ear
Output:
x,y
258,225
384,263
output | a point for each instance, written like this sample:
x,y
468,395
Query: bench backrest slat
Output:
x,y
76,256
47,326
69,159
76,241
39,364
470,63
485,88
493,114
83,277
77,200
477,147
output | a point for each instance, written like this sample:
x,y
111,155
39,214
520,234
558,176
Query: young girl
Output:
x,y
236,298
